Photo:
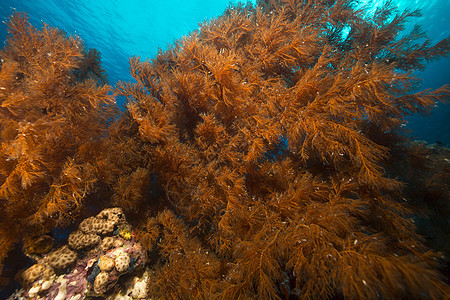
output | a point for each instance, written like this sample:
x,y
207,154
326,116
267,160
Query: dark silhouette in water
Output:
x,y
260,157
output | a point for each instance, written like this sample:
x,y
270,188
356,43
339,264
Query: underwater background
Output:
x,y
122,29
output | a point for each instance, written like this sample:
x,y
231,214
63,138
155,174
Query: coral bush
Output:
x,y
265,134
50,122
256,158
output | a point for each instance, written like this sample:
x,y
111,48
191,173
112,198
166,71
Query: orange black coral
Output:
x,y
252,156
262,131
49,126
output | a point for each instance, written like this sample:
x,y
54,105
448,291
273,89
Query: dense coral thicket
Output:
x,y
51,118
259,157
254,152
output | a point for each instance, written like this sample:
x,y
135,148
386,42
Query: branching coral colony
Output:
x,y
50,122
254,153
265,131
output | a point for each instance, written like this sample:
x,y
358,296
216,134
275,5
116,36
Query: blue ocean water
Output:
x,y
120,29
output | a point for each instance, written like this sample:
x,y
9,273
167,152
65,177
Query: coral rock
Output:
x,y
122,262
35,272
94,272
79,240
97,226
32,273
118,243
107,243
61,258
114,215
106,263
140,289
104,222
101,282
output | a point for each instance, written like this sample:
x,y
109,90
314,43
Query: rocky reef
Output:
x,y
97,254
